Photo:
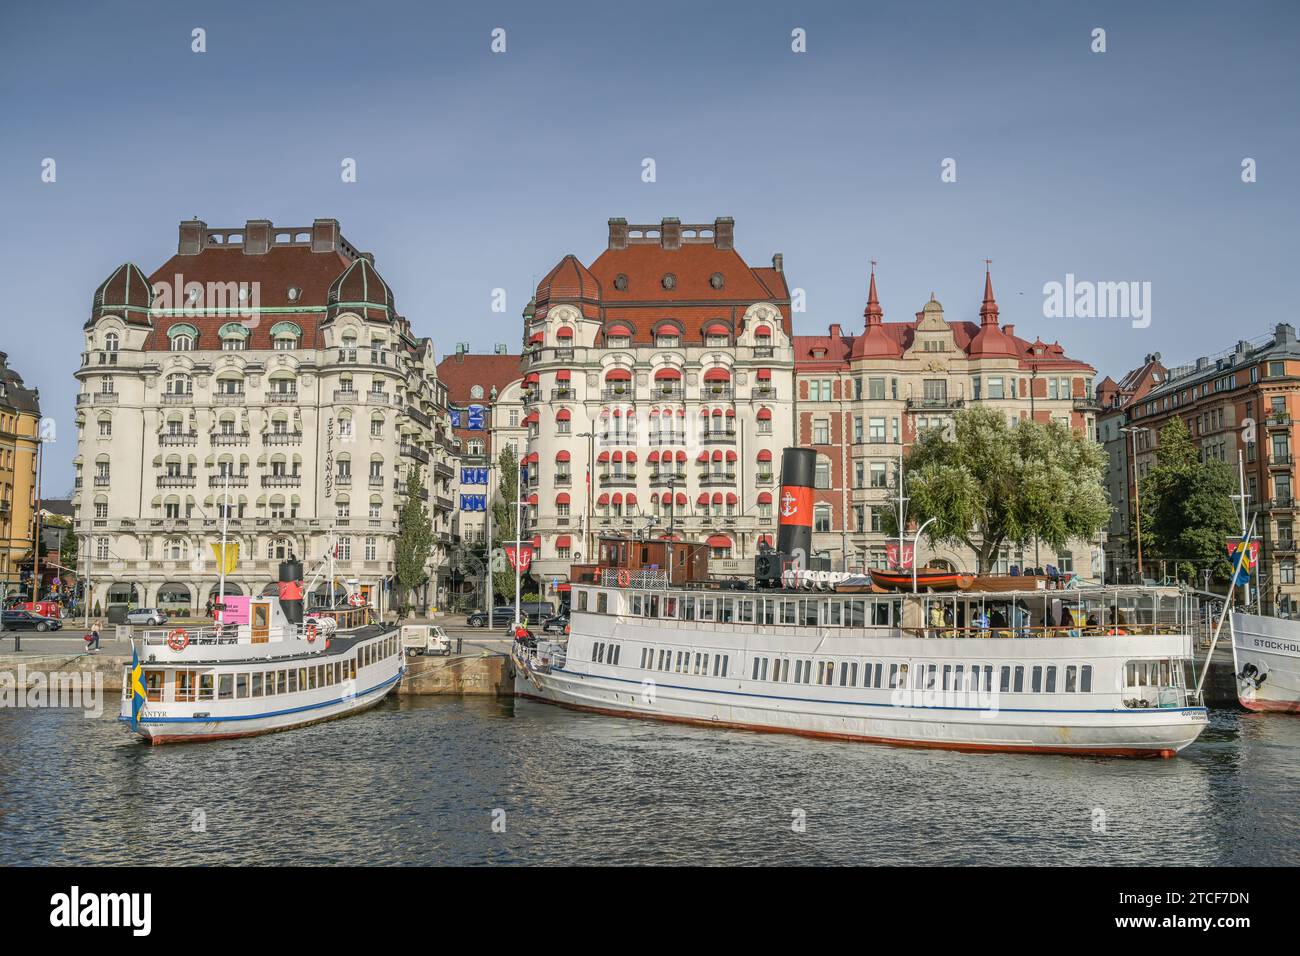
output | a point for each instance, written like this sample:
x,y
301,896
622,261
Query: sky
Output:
x,y
478,170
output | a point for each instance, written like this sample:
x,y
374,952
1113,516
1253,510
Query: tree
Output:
x,y
1187,508
414,538
504,512
988,483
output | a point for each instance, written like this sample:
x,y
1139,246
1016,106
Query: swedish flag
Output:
x,y
137,689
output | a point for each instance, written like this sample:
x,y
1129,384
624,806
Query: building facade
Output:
x,y
1115,399
20,423
664,371
862,399
261,378
1240,408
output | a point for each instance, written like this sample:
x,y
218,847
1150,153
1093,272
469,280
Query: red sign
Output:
x,y
520,558
891,553
796,505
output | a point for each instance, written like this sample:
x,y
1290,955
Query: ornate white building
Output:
x,y
264,373
666,367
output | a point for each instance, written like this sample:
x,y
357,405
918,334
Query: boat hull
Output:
x,y
1266,660
1157,732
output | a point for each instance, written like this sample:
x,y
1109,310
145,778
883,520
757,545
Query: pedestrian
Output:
x,y
92,640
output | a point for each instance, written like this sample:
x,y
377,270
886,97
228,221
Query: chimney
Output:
x,y
194,235
1202,362
618,233
670,232
325,235
1284,333
837,332
724,233
368,256
1009,329
778,262
257,237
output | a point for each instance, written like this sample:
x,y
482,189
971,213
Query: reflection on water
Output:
x,y
418,781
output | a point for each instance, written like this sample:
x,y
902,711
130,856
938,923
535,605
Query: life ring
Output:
x,y
624,577
178,639
310,633
1117,632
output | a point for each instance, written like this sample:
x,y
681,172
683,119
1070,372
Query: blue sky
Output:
x,y
479,170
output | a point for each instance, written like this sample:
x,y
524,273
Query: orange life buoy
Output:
x,y
310,632
178,639
624,577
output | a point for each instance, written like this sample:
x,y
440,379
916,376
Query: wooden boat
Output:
x,y
934,579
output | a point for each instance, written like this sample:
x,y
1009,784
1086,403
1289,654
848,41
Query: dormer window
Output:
x,y
620,282
669,281
234,337
183,338
110,342
716,280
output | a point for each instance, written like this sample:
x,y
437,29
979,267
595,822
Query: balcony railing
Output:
x,y
711,479
228,398
935,403
618,478
667,393
763,478
381,398
715,392
1085,404
411,451
1281,504
763,391
228,481
281,481
101,481
282,398
627,394
720,437
106,398
667,438
343,481
281,438
176,481
1280,460
178,439
1284,546
376,481
663,479
349,395
178,398
228,438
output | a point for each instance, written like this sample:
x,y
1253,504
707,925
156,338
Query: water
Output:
x,y
417,781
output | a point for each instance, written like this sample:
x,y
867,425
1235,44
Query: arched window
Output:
x,y
178,383
183,337
278,549
175,549
285,336
110,342
234,337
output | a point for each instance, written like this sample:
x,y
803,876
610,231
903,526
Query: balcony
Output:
x,y
720,437
1283,460
446,504
563,481
381,398
83,398
101,481
411,451
178,439
348,395
763,391
282,438
282,481
343,481
1085,404
717,392
416,415
376,481
566,392
933,403
763,479
618,394
176,481
1280,504
282,398
225,439
228,398
346,357
106,398
618,479
667,393
1278,421
664,479
713,479
235,481
443,470
178,398
667,438
1284,546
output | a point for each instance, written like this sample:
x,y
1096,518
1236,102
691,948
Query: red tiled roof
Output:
x,y
460,373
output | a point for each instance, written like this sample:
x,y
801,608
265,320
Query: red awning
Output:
x,y
631,498
532,378
717,497
537,541
537,338
704,456
703,499
531,458
631,458
653,458
563,541
764,414
603,457
765,539
564,332
618,497
667,374
532,499
681,413
563,375
563,498
563,415
561,455
603,499
716,413
765,455
731,413
618,328
763,332
765,497
667,498
763,374
716,328
717,454
618,375
717,375
731,498
718,541
731,455
531,418
681,498
681,456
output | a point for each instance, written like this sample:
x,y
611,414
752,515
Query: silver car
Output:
x,y
148,616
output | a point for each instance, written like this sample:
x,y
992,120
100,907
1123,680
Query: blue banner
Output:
x,y
473,502
473,476
475,418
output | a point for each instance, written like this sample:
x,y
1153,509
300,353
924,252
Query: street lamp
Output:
x,y
1132,431
916,538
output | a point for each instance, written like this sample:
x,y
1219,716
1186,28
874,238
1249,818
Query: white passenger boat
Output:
x,y
1081,671
1266,660
260,670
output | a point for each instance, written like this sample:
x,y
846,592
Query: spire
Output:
x,y
989,310
874,313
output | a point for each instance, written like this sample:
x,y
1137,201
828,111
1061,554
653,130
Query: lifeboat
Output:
x,y
935,579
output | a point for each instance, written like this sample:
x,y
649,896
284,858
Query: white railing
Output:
x,y
639,580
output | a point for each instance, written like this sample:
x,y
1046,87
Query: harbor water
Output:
x,y
465,781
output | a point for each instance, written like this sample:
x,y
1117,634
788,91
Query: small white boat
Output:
x,y
1266,660
257,673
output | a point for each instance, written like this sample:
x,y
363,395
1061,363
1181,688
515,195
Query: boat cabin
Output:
x,y
685,562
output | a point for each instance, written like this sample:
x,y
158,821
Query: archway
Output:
x,y
174,596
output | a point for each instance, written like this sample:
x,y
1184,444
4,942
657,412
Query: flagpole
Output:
x,y
519,530
225,522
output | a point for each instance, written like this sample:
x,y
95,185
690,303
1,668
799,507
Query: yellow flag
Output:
x,y
232,555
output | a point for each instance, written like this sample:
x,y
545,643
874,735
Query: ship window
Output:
x,y
726,610
582,600
1085,679
665,656
754,676
706,609
788,612
1004,681
226,686
1036,682
618,652
931,675
810,613
644,652
257,684
636,604
856,616
282,682
602,602
688,608
767,611
959,677
1051,679
311,678
1071,679
153,686
745,611
835,608
292,681
1020,679
670,607
947,677
764,671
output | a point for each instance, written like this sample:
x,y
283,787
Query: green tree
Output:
x,y
1187,508
988,483
414,538
504,511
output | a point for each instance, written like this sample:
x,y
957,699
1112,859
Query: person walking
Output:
x,y
92,640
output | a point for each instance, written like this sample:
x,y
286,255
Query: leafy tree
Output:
x,y
1187,508
504,513
988,483
414,538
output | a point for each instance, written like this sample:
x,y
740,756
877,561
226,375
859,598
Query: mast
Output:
x,y
1241,501
519,530
225,523
902,501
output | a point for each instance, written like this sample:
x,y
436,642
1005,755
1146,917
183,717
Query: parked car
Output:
x,y
502,615
27,621
148,616
557,624
424,639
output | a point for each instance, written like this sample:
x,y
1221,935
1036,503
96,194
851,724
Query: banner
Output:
x,y
473,476
473,502
521,558
891,554
232,556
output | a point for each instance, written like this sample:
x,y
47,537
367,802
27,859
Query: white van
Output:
x,y
425,639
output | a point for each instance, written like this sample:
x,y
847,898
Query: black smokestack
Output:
x,y
794,537
291,590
